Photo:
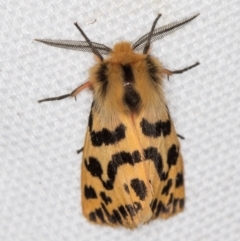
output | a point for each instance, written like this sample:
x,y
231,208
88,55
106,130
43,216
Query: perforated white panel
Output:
x,y
39,167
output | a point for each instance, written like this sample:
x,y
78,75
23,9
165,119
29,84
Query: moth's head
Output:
x,y
122,47
123,53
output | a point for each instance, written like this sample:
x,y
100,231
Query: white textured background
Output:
x,y
39,168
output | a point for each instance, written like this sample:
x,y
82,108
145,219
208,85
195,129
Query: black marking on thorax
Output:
x,y
105,136
131,97
102,76
153,70
128,75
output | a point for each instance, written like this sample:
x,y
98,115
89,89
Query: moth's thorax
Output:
x,y
126,81
122,53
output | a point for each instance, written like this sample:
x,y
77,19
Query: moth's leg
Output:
x,y
80,150
181,137
72,94
180,71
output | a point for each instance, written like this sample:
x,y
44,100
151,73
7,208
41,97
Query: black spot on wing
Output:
x,y
133,209
164,176
170,199
93,165
115,216
123,211
99,214
153,70
136,156
89,192
166,188
153,205
130,210
161,208
102,77
172,155
139,188
126,188
181,203
106,136
120,159
179,180
175,203
153,154
105,198
92,217
156,129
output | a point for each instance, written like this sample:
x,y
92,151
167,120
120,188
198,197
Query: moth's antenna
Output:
x,y
146,48
161,32
94,50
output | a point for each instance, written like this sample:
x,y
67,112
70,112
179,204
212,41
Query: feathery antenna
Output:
x,y
147,46
161,32
94,50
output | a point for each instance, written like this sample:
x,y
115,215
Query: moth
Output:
x,y
132,168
